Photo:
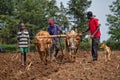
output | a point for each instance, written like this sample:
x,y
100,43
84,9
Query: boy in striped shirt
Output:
x,y
23,42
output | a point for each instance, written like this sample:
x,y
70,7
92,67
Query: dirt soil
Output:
x,y
82,69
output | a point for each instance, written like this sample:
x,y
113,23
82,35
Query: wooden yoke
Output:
x,y
52,36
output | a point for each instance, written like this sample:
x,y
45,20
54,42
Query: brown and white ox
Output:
x,y
72,43
43,45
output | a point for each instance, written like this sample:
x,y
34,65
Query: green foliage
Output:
x,y
77,9
62,18
85,46
114,21
6,7
12,48
113,45
8,33
9,48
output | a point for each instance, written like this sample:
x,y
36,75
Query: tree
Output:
x,y
8,33
7,21
6,7
77,9
31,11
34,13
114,21
62,18
52,9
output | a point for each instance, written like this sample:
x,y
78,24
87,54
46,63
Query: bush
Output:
x,y
9,47
12,48
113,45
32,48
84,45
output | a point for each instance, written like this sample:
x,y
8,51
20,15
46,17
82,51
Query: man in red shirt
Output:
x,y
94,32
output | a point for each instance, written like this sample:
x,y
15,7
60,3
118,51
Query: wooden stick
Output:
x,y
52,36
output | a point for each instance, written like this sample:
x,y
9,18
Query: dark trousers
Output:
x,y
55,46
95,42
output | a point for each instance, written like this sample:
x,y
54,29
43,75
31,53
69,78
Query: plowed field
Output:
x,y
82,69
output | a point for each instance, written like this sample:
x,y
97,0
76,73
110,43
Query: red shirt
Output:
x,y
93,24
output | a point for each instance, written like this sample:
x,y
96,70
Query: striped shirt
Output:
x,y
23,38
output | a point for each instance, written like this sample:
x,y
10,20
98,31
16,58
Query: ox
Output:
x,y
43,45
72,43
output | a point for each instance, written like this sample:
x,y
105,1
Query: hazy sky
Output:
x,y
100,8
